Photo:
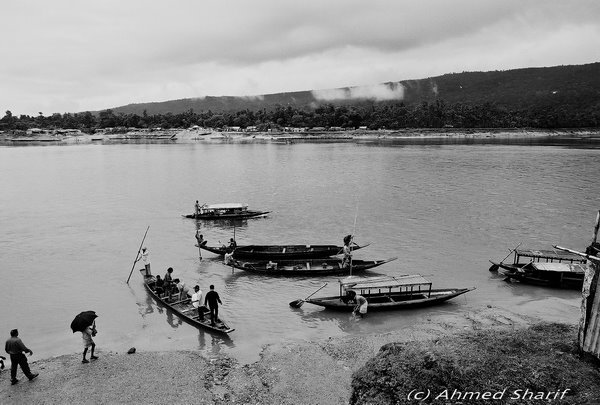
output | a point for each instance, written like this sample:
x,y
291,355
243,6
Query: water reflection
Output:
x,y
216,342
172,319
148,308
222,224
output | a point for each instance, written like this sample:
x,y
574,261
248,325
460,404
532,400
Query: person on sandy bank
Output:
x,y
88,342
15,347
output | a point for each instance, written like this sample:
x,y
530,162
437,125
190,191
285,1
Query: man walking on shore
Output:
x,y
16,349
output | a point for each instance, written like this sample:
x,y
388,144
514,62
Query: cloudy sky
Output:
x,y
72,55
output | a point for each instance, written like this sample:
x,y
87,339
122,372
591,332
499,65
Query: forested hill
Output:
x,y
559,88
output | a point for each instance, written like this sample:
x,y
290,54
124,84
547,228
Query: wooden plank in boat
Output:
x,y
559,267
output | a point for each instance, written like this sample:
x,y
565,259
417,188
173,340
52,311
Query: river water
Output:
x,y
72,219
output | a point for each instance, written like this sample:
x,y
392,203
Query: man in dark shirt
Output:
x,y
213,301
168,282
15,348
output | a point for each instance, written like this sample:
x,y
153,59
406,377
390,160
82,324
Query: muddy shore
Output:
x,y
290,372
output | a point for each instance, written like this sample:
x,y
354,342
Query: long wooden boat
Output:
x,y
523,257
279,252
185,310
388,293
557,274
225,211
308,267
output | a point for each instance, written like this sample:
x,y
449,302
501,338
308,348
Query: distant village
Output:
x,y
157,133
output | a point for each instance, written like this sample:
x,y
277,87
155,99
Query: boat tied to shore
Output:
x,y
387,293
544,267
307,267
224,211
184,309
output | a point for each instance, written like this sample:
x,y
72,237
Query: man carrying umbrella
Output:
x,y
88,342
16,348
86,324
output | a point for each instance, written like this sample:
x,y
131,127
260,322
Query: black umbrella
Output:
x,y
83,320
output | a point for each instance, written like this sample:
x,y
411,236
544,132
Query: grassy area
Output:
x,y
536,365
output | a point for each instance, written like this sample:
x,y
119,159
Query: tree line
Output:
x,y
381,115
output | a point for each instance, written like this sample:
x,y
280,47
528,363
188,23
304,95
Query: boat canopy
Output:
x,y
550,255
375,283
560,267
224,206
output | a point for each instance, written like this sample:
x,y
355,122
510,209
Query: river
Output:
x,y
73,217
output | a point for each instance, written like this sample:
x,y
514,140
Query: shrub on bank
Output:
x,y
536,365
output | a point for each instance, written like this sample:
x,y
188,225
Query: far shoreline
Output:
x,y
176,135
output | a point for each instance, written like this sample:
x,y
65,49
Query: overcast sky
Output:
x,y
73,56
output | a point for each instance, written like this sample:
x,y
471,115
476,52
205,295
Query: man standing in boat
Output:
x,y
197,209
146,259
213,300
196,302
347,251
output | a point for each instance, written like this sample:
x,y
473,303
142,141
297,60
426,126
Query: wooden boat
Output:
x,y
225,211
185,310
522,257
308,267
551,274
279,252
388,293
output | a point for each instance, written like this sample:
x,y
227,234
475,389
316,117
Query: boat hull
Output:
x,y
547,279
246,214
279,252
186,311
307,267
393,301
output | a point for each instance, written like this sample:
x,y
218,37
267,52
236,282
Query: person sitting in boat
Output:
x,y
271,265
182,288
232,244
159,285
200,238
228,258
360,309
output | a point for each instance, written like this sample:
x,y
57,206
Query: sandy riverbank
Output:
x,y
291,372
186,135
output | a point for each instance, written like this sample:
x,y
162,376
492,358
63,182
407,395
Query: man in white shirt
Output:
x,y
146,259
196,300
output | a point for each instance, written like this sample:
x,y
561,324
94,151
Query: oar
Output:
x,y
137,254
298,303
494,267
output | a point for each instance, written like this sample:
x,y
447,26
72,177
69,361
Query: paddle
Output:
x,y
137,254
495,267
298,303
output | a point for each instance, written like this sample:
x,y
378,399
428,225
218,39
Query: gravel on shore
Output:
x,y
290,372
